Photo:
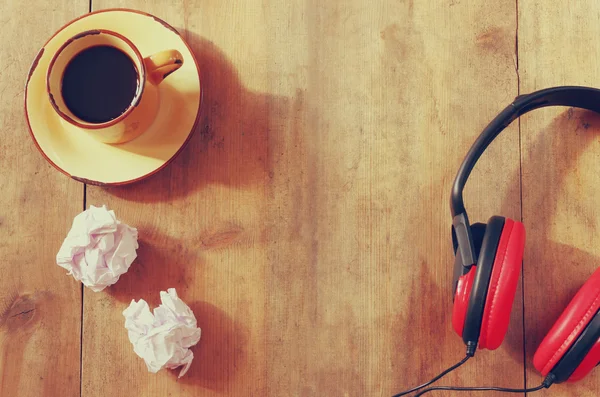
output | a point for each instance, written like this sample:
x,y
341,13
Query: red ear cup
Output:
x,y
461,300
587,364
503,285
568,327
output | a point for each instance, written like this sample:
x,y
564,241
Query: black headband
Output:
x,y
579,97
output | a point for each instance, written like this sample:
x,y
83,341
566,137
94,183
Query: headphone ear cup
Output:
x,y
465,282
588,363
569,326
502,285
478,295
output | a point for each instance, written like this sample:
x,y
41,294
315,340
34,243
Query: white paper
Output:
x,y
98,249
163,339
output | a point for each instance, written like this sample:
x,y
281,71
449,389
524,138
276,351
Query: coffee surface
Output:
x,y
99,84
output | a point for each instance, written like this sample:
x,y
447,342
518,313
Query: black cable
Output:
x,y
452,368
545,384
502,389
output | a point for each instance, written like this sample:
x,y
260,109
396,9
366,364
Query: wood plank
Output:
x,y
460,67
307,222
558,46
40,307
200,231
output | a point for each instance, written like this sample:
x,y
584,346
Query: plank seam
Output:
x,y
524,336
81,315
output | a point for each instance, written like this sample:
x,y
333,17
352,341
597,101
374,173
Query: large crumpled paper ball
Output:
x,y
98,249
163,339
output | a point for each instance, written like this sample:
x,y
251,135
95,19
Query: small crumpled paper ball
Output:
x,y
98,249
163,339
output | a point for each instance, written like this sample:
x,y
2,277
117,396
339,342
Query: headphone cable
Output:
x,y
545,384
470,353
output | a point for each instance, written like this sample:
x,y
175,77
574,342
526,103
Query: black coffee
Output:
x,y
99,84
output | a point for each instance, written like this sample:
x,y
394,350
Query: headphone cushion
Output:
x,y
503,285
573,320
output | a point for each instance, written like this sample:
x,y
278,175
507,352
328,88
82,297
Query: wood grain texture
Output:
x,y
307,222
40,307
558,46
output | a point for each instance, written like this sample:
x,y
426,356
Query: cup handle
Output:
x,y
163,63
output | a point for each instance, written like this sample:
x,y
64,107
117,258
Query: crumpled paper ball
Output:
x,y
163,339
98,249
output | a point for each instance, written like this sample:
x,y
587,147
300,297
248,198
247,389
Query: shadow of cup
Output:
x,y
230,143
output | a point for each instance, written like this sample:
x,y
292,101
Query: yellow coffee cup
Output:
x,y
99,83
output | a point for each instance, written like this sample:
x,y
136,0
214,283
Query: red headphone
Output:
x,y
488,259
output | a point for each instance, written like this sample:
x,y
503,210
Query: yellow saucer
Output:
x,y
82,157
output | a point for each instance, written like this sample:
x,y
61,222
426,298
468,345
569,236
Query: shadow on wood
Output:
x,y
221,351
162,263
229,145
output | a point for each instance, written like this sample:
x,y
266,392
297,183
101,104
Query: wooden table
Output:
x,y
307,222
